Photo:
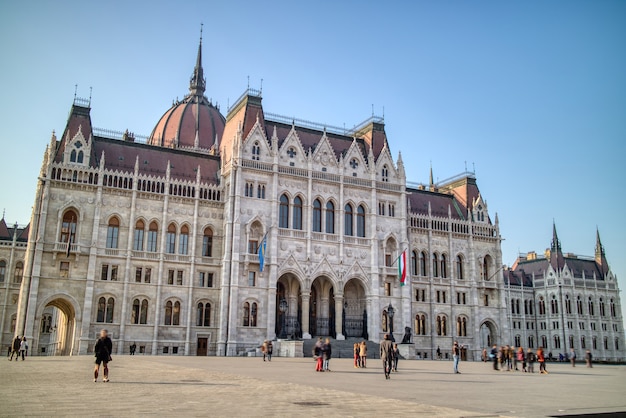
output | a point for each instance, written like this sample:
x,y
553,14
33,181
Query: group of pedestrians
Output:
x,y
322,353
360,355
18,348
508,358
389,354
267,349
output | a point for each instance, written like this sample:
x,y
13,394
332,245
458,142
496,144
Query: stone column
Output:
x,y
339,317
306,296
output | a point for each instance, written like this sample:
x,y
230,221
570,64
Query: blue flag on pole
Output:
x,y
262,248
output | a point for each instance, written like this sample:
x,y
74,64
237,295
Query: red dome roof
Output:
x,y
193,122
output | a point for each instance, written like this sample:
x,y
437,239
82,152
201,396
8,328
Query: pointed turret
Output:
x,y
197,84
600,256
556,255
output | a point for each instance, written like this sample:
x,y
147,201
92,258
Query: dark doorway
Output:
x,y
202,347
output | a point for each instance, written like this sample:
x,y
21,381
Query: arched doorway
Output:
x,y
288,323
354,310
487,334
57,328
322,308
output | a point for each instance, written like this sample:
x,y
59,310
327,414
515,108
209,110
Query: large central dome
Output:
x,y
193,123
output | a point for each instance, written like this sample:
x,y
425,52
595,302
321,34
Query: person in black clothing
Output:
x,y
327,353
494,356
102,351
15,349
133,348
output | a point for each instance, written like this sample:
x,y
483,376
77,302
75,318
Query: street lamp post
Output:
x,y
390,313
282,307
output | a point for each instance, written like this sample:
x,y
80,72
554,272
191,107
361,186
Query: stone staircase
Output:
x,y
343,349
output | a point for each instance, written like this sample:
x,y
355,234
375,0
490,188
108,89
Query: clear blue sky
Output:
x,y
533,93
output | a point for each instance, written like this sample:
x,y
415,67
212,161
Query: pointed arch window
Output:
x,y
204,315
138,236
249,314
348,220
317,216
461,327
297,213
170,239
435,265
176,314
283,212
613,311
330,218
414,270
73,156
442,326
3,270
113,231
568,305
153,234
602,310
385,173
423,264
542,306
444,266
554,306
105,310
360,221
207,242
168,313
19,272
79,159
68,227
183,244
591,310
420,324
256,151
459,268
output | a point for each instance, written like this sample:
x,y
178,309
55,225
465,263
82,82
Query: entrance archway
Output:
x,y
57,328
488,334
322,308
354,310
290,321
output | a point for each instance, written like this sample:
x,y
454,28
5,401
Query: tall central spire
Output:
x,y
197,83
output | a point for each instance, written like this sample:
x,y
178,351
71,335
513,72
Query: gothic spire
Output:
x,y
556,244
197,83
556,255
600,255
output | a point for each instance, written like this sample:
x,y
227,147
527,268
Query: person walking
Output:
x,y
264,350
102,351
357,355
521,358
133,348
456,356
396,357
483,356
494,356
318,355
386,355
438,353
270,350
363,353
589,358
572,357
530,360
15,348
542,361
23,347
327,352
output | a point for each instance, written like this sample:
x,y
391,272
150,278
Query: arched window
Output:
x,y
46,324
590,303
459,268
579,305
256,151
486,262
420,324
602,311
594,342
360,221
330,217
461,327
68,227
518,340
571,341
283,213
544,341
144,312
138,236
385,173
113,232
249,314
568,304
297,213
435,265
170,239
542,306
557,341
422,264
317,216
19,272
612,308
349,220
168,313
204,315
531,342
384,321
183,244
260,191
554,306
414,269
80,157
442,326
105,310
153,235
176,314
73,156
444,266
3,270
207,242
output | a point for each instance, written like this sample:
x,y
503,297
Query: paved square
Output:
x,y
194,386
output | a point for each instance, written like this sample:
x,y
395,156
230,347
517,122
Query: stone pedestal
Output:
x,y
284,348
306,336
340,337
407,351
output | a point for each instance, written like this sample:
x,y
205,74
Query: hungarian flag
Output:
x,y
402,268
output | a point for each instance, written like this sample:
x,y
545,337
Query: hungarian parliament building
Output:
x,y
215,233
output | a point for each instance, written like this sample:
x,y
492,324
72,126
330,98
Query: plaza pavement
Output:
x,y
218,386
